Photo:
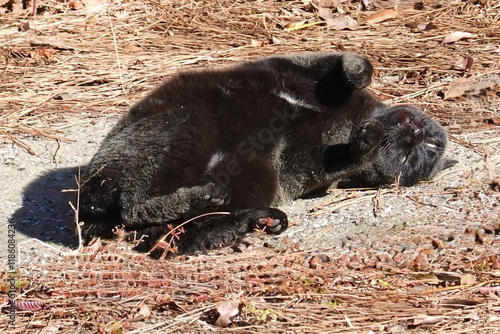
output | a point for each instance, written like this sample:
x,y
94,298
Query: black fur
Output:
x,y
246,138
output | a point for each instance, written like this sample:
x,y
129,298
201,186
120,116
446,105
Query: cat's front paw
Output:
x,y
357,70
271,221
211,196
366,141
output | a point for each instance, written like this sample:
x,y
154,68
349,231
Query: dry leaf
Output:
x,y
303,26
339,22
461,86
382,16
75,5
412,25
457,35
438,244
257,43
223,313
24,27
467,279
42,53
324,13
420,288
426,26
131,48
464,63
227,310
448,277
342,22
456,88
421,261
144,312
274,40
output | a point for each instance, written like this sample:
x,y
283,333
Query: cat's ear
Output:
x,y
357,70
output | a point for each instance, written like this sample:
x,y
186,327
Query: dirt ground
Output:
x,y
64,89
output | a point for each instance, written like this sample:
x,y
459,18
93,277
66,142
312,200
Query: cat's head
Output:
x,y
412,148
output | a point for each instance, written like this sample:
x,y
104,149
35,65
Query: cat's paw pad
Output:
x,y
357,70
274,222
211,196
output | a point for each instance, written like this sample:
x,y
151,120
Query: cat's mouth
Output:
x,y
428,143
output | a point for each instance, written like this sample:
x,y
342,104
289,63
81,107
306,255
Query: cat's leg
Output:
x,y
183,203
135,212
334,87
251,183
327,78
348,68
217,230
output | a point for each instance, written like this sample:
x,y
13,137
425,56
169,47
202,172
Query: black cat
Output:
x,y
245,138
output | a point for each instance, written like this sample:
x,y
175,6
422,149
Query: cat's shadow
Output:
x,y
45,213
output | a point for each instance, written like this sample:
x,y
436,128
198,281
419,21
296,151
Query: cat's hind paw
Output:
x,y
271,221
357,70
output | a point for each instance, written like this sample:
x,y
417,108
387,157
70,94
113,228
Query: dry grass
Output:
x,y
99,59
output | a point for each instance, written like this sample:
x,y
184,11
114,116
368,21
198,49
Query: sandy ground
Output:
x,y
31,192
